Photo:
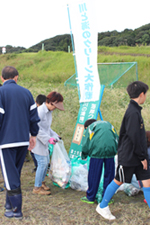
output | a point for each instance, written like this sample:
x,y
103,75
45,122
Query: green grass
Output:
x,y
113,106
126,49
42,73
63,207
142,62
57,67
42,66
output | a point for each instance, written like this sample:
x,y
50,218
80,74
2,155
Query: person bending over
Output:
x,y
100,142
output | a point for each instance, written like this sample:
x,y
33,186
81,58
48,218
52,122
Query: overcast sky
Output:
x,y
26,23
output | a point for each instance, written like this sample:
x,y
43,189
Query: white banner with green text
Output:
x,y
85,35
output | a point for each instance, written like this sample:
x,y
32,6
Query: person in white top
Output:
x,y
45,136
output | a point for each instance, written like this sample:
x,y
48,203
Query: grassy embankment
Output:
x,y
47,71
44,72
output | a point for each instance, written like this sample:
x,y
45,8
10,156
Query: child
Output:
x,y
132,149
45,136
40,99
100,143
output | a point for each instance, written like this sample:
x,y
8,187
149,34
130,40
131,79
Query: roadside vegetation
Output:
x,y
43,72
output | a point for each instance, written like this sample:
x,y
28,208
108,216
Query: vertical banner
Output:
x,y
88,110
84,29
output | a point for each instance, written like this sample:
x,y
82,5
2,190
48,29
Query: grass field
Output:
x,y
64,207
42,73
57,67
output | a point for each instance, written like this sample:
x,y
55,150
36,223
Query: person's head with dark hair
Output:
x,y
40,99
9,72
88,122
54,100
136,88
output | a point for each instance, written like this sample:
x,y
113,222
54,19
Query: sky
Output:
x,y
27,22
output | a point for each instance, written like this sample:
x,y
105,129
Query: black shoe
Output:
x,y
16,202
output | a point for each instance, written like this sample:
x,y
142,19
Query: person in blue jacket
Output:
x,y
1,189
18,130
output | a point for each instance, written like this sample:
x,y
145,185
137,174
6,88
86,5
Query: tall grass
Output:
x,y
142,62
126,49
57,67
42,66
113,106
64,206
44,72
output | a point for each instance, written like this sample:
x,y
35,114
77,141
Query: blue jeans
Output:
x,y
42,165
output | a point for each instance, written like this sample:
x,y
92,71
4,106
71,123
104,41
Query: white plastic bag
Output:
x,y
78,180
79,174
60,168
130,190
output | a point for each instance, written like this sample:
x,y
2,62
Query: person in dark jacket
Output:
x,y
132,149
39,101
1,189
18,130
100,143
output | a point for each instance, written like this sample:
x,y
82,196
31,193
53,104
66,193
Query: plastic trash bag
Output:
x,y
60,168
130,190
79,174
137,184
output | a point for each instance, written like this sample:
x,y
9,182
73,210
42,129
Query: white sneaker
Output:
x,y
105,212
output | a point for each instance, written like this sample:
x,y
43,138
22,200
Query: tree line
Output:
x,y
129,37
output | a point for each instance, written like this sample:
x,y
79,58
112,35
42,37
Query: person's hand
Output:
x,y
52,141
144,163
32,143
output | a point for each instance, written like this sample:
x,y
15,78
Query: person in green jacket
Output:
x,y
99,142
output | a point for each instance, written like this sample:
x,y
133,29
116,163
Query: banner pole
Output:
x,y
73,50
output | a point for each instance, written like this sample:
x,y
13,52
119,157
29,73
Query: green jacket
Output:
x,y
100,140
